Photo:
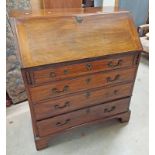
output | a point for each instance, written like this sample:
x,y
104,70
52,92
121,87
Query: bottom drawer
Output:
x,y
62,122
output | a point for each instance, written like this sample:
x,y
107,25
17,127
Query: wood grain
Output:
x,y
78,65
69,120
36,4
61,72
50,90
48,13
85,99
51,4
38,45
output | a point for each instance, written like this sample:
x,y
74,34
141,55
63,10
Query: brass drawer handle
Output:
x,y
66,71
115,92
112,64
88,94
117,77
89,67
110,110
53,74
63,123
67,104
88,80
56,91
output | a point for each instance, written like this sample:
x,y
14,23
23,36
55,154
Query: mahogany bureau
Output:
x,y
78,65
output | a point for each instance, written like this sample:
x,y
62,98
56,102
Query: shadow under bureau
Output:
x,y
78,66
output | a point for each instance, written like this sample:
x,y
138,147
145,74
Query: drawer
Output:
x,y
60,72
82,83
88,98
65,121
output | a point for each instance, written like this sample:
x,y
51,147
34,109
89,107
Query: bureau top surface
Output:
x,y
73,34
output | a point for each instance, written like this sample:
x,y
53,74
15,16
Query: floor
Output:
x,y
109,138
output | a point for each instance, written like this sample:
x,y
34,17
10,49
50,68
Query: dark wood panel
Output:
x,y
68,120
88,98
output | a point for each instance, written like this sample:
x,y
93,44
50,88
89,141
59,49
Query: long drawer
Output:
x,y
82,83
62,71
73,102
65,121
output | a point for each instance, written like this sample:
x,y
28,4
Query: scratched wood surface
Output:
x,y
74,36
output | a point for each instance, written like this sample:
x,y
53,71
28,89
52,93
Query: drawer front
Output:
x,y
65,121
67,71
81,100
82,83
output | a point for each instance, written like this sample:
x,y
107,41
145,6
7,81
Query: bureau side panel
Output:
x,y
28,79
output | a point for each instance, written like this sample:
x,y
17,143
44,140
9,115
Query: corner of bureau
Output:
x,y
78,66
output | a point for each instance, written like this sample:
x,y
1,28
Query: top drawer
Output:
x,y
67,70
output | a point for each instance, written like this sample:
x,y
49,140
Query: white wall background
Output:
x,y
98,3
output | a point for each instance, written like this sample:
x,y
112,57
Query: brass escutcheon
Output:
x,y
79,19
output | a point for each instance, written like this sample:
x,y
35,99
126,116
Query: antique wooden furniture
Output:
x,y
75,75
51,4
